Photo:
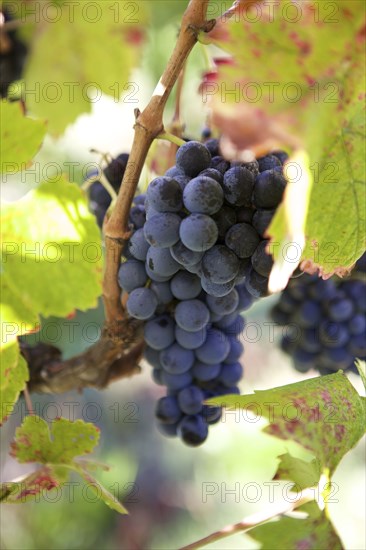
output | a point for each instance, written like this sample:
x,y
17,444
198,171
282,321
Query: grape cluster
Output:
x,y
326,321
12,57
195,261
99,198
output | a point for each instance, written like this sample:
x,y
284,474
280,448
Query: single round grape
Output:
x,y
224,305
115,170
340,309
193,430
215,349
242,239
99,195
184,255
261,220
236,350
132,275
357,345
176,382
205,372
226,320
338,358
176,360
238,186
164,195
138,245
156,277
190,340
262,261
137,216
236,327
220,164
256,284
174,171
142,303
192,158
159,332
161,262
212,415
357,325
212,173
245,298
167,410
268,189
162,230
191,315
308,314
203,195
198,232
268,162
333,335
231,374
216,289
281,155
245,266
185,286
190,400
219,264
213,146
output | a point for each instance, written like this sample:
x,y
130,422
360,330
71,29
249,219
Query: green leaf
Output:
x,y
316,532
108,498
303,474
30,487
52,257
86,50
55,447
324,414
36,442
21,137
14,375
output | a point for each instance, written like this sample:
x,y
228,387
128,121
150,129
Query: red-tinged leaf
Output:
x,y
30,487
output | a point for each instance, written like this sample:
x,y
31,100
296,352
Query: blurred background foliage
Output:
x,y
174,494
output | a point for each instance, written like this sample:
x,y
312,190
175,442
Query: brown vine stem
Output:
x,y
252,521
149,124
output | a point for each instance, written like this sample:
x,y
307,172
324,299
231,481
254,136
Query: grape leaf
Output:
x,y
21,137
36,442
30,487
303,474
86,50
52,256
14,375
323,414
55,447
312,533
108,498
301,89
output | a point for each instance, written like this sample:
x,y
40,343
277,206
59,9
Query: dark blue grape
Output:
x,y
142,303
176,360
184,255
224,219
219,264
162,292
164,195
236,350
224,305
185,286
205,372
161,262
220,164
268,189
261,220
176,382
203,195
242,239
137,216
132,275
168,410
115,170
193,430
340,309
231,374
268,162
192,158
216,289
190,340
159,332
152,356
262,261
215,348
238,186
198,232
162,230
256,284
190,400
191,315
138,245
